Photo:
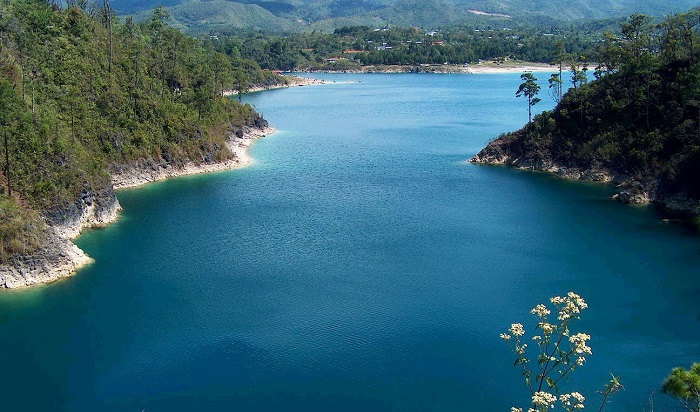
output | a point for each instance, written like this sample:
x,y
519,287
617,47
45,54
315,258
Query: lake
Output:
x,y
359,265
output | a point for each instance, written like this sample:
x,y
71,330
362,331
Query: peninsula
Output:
x,y
637,125
115,104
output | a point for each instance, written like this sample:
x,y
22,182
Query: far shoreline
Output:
x,y
510,66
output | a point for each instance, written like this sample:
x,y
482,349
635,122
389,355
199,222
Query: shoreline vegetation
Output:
x,y
237,143
59,257
137,101
135,176
636,125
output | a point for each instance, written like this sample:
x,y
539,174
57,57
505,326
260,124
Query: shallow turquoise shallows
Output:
x,y
359,265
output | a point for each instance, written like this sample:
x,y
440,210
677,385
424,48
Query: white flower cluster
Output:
x,y
544,399
540,311
555,358
578,341
517,329
571,401
547,328
569,306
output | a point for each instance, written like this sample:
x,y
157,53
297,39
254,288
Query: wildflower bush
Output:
x,y
559,353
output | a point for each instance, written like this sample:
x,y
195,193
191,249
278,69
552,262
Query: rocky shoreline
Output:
x,y
292,81
636,191
59,257
148,171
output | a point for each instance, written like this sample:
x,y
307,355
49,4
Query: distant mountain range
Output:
x,y
297,15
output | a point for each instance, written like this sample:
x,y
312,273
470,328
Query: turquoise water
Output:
x,y
359,265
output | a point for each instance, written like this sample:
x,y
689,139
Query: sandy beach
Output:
x,y
508,67
484,67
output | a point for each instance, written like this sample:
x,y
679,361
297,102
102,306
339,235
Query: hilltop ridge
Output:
x,y
308,15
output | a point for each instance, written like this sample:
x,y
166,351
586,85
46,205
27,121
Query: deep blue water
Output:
x,y
359,265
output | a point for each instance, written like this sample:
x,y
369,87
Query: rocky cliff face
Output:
x,y
500,152
639,190
59,257
92,209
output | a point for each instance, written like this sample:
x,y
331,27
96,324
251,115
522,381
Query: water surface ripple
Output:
x,y
359,265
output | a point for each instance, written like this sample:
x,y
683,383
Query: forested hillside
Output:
x,y
581,9
637,124
82,91
327,15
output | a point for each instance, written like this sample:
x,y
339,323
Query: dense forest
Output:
x,y
82,91
357,46
640,120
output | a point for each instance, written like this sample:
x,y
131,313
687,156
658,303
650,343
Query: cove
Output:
x,y
359,264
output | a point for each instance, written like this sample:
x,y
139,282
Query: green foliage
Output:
x,y
529,88
74,102
555,86
307,15
583,9
639,119
19,231
579,75
207,16
684,386
352,46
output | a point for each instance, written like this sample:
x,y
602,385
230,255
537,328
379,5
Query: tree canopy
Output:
x,y
640,119
81,90
684,385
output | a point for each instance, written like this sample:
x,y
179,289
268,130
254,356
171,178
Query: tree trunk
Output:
x,y
21,66
108,12
561,81
7,167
